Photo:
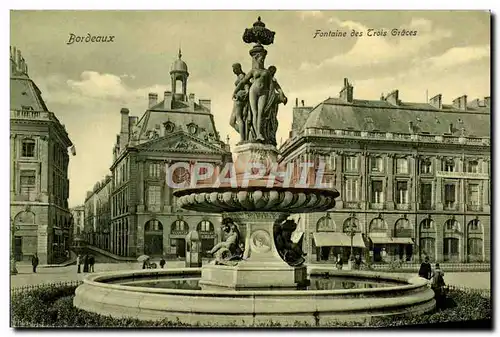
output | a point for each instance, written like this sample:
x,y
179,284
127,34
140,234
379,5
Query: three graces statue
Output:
x,y
257,94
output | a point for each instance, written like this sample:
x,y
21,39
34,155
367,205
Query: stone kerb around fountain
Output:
x,y
104,294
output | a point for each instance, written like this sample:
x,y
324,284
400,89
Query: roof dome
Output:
x,y
179,65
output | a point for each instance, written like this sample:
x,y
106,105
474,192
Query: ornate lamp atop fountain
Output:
x,y
254,200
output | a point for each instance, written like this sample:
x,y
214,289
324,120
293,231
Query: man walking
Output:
x,y
91,263
425,270
438,284
78,262
162,262
34,262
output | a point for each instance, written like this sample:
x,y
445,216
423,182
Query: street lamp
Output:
x,y
13,269
352,232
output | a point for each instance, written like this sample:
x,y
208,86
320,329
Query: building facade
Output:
x,y
98,214
78,214
39,185
414,178
144,217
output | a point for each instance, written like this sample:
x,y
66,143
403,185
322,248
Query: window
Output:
x,y
27,182
449,166
351,163
377,164
402,192
154,170
180,226
451,225
425,166
473,194
351,224
425,196
473,167
475,246
427,224
377,223
154,197
427,247
153,226
205,226
402,166
351,190
28,150
449,195
377,192
324,224
474,225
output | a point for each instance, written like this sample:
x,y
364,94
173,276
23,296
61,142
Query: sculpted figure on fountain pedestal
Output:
x,y
228,252
289,251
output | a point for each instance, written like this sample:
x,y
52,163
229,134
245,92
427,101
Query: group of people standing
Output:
x,y
436,278
88,262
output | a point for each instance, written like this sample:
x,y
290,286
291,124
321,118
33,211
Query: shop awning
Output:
x,y
335,239
387,240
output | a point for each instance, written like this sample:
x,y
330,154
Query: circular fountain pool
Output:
x,y
175,294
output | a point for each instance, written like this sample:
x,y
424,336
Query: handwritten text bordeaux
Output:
x,y
89,38
369,32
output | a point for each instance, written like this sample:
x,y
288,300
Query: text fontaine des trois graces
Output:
x,y
371,32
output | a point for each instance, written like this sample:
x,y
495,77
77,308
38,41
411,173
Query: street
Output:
x,y
25,276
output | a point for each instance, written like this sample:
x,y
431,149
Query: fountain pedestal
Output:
x,y
262,266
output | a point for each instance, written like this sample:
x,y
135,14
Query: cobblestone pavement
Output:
x,y
25,276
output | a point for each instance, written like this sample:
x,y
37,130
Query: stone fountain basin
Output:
x,y
251,307
256,198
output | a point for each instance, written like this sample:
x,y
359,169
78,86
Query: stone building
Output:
x,y
144,217
98,214
78,214
39,185
414,178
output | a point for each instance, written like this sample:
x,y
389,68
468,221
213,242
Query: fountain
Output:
x,y
262,277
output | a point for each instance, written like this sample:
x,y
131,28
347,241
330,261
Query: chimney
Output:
x,y
206,103
460,103
393,97
302,101
296,102
346,94
437,101
124,129
451,129
153,99
167,102
487,101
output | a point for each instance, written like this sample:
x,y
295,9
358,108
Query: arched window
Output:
x,y
377,224
325,224
153,226
205,226
451,225
180,226
474,226
28,148
427,224
402,228
351,224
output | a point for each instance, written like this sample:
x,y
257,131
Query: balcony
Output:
x,y
425,206
377,205
474,208
352,204
403,207
450,206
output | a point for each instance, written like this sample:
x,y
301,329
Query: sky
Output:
x,y
86,84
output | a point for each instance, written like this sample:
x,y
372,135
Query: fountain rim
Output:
x,y
412,283
332,192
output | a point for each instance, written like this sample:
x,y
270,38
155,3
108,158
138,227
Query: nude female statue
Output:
x,y
229,250
259,89
270,119
239,115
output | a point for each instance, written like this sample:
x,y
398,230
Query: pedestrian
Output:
x,y
425,270
438,284
91,263
34,262
78,262
162,262
340,262
357,262
383,254
86,263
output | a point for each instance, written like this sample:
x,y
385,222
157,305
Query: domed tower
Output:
x,y
179,72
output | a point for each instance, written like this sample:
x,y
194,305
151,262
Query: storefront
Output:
x,y
329,245
387,249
